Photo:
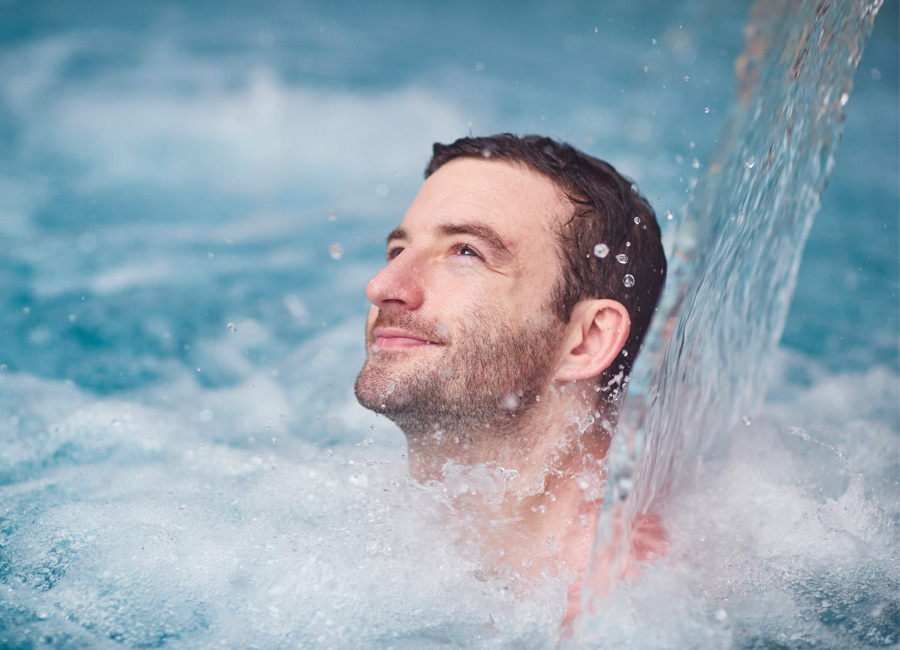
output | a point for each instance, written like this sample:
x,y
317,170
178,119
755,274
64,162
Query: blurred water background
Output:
x,y
192,198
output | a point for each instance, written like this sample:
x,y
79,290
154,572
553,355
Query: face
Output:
x,y
460,330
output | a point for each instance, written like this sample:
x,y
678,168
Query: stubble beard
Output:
x,y
482,381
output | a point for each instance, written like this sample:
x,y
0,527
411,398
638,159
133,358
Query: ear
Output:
x,y
596,333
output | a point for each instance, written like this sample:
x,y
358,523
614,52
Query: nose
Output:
x,y
399,284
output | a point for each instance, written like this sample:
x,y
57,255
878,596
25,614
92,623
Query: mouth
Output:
x,y
392,338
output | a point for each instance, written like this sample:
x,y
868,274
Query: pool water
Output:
x,y
192,198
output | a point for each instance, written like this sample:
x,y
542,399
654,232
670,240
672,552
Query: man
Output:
x,y
502,330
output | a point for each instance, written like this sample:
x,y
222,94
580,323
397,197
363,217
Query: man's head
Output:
x,y
522,262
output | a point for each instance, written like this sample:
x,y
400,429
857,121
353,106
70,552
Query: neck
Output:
x,y
535,479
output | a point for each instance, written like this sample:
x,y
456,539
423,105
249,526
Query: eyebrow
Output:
x,y
396,233
479,230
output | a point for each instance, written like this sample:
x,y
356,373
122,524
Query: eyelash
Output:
x,y
456,248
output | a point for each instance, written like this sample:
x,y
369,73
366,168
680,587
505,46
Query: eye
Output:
x,y
466,251
394,252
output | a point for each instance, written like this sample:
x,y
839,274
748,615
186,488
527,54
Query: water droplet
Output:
x,y
653,40
336,251
382,190
330,214
750,162
669,215
582,483
706,109
511,401
601,250
721,614
687,78
621,258
209,256
232,326
746,420
206,415
628,280
637,219
486,153
845,97
695,163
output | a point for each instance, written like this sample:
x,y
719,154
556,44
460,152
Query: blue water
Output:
x,y
192,198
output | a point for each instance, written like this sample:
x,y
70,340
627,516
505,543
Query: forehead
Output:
x,y
519,203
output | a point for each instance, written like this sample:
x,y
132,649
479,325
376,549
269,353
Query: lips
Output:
x,y
392,338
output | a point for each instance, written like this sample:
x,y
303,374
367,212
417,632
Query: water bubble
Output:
x,y
601,250
336,251
628,280
621,258
295,308
511,401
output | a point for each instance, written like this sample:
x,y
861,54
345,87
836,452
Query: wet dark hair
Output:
x,y
609,216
